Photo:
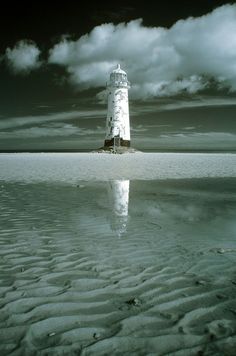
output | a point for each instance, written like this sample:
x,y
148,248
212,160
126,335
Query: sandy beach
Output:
x,y
72,285
70,167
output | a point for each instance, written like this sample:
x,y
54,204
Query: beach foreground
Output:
x,y
80,276
70,167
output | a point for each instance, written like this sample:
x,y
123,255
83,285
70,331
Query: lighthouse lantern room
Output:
x,y
117,123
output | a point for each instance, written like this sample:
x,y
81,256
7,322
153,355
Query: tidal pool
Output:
x,y
118,267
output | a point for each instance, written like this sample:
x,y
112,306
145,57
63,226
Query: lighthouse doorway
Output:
x,y
116,142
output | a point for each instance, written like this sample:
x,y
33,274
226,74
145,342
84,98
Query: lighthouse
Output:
x,y
117,122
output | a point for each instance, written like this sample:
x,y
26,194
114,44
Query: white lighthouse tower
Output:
x,y
117,124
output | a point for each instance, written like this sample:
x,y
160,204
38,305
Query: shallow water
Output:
x,y
118,267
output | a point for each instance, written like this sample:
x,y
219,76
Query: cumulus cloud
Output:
x,y
24,57
159,61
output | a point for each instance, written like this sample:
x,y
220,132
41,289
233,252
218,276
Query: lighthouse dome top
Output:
x,y
118,78
118,70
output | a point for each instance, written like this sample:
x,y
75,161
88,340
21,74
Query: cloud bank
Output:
x,y
192,55
12,122
24,57
159,61
50,130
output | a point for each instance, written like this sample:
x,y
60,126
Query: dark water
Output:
x,y
120,267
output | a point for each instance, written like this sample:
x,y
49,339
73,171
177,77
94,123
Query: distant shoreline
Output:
x,y
142,150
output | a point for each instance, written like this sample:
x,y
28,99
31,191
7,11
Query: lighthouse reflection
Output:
x,y
118,191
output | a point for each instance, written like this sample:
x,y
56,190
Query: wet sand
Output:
x,y
70,285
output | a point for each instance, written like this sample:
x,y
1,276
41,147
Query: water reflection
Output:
x,y
118,191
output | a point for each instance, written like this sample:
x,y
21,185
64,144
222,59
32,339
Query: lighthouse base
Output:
x,y
116,142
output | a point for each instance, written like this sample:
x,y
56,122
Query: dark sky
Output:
x,y
32,104
45,21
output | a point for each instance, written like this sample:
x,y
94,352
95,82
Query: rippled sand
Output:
x,y
71,285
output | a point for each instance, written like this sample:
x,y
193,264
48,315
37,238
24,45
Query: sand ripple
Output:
x,y
70,286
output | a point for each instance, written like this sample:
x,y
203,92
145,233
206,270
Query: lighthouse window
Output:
x,y
118,76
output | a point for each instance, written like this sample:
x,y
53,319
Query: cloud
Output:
x,y
24,57
50,130
12,122
190,56
42,131
186,140
199,139
168,104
